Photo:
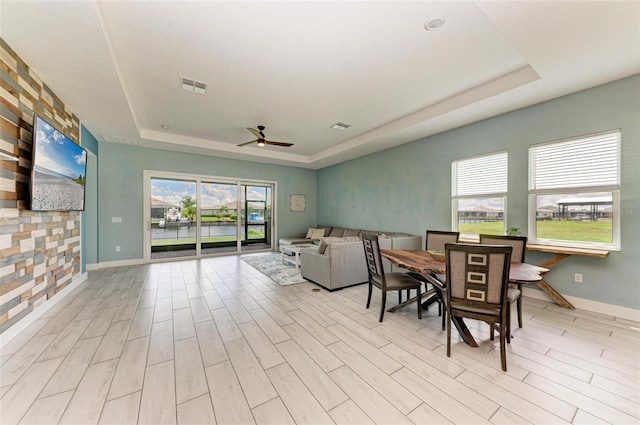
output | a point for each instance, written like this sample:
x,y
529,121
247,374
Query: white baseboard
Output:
x,y
38,311
590,305
122,263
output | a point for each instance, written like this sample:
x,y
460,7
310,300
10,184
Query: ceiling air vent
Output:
x,y
119,139
192,85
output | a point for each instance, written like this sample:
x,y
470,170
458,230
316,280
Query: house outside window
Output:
x,y
479,195
574,192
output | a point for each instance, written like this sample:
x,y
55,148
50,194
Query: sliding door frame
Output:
x,y
148,175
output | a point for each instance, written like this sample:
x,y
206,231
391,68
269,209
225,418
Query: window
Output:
x,y
574,192
479,192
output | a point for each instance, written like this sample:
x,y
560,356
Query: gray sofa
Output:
x,y
338,262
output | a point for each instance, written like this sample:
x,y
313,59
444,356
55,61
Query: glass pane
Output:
x,y
584,217
218,215
256,216
173,218
481,216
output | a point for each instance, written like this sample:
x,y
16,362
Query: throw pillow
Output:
x,y
317,234
309,233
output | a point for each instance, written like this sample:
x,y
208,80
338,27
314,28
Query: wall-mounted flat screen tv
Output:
x,y
59,170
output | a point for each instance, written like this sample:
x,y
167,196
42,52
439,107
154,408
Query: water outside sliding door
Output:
x,y
173,205
256,216
189,218
219,215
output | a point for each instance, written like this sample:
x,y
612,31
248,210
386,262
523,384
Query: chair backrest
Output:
x,y
478,277
436,239
374,260
518,243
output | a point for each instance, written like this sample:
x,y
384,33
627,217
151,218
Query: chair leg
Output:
x,y
444,317
383,302
491,329
447,313
400,297
369,297
508,323
418,305
503,350
519,304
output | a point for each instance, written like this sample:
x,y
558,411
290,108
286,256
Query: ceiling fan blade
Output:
x,y
255,133
247,143
269,142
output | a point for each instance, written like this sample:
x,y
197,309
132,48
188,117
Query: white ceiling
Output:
x,y
299,67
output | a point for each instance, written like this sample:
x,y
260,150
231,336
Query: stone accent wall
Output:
x,y
39,251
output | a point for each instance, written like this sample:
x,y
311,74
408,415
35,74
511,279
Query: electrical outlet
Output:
x,y
117,248
577,277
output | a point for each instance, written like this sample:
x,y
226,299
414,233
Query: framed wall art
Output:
x,y
297,203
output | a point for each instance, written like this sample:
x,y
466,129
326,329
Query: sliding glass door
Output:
x,y
191,216
256,216
219,216
172,218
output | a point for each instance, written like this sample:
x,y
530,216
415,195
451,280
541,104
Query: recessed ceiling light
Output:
x,y
340,126
433,24
166,127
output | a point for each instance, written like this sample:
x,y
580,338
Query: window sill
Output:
x,y
554,249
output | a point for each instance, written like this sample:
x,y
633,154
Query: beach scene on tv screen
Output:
x,y
59,171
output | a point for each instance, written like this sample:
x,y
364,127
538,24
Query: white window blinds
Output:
x,y
481,175
591,161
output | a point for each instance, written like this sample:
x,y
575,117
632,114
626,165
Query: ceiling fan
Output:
x,y
261,138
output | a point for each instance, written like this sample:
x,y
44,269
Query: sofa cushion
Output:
x,y
351,239
328,240
324,242
351,232
336,232
322,246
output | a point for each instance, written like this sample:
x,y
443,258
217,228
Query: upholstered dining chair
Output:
x,y
477,284
519,245
435,240
385,281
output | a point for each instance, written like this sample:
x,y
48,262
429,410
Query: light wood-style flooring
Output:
x,y
214,341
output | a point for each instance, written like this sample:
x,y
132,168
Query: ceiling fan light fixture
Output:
x,y
340,126
260,143
434,24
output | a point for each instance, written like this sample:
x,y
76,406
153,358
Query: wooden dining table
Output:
x,y
423,263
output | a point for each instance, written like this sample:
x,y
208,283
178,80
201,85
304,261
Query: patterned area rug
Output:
x,y
271,266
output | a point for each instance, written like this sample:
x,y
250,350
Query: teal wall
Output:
x,y
408,188
120,177
89,239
